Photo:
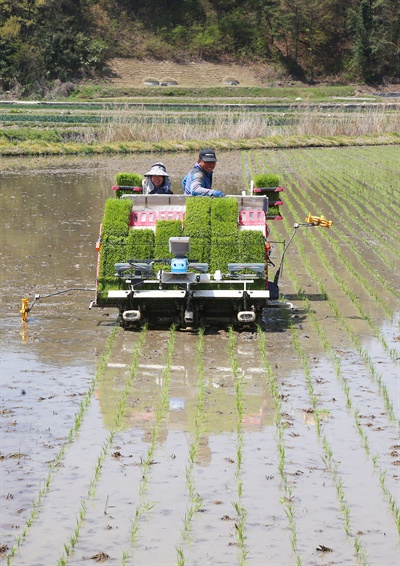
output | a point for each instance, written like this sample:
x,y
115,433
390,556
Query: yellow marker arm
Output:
x,y
319,221
24,310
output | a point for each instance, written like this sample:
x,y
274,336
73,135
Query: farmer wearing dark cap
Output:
x,y
198,183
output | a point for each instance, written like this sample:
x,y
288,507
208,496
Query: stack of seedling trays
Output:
x,y
211,224
215,238
127,183
268,185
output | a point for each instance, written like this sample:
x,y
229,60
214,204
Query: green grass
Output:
x,y
40,147
317,93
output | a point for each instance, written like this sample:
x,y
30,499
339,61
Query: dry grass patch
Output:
x,y
131,72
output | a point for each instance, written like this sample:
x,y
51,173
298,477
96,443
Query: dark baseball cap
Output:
x,y
208,155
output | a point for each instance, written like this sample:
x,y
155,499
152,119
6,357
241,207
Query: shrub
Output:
x,y
266,180
116,218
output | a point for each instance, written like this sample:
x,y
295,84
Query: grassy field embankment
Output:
x,y
123,115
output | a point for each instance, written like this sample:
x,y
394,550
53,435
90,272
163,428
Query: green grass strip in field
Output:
x,y
131,147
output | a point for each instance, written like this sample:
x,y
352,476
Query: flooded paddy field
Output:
x,y
275,447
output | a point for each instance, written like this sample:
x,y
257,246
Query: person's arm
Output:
x,y
196,188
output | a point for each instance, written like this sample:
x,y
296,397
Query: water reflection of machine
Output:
x,y
220,410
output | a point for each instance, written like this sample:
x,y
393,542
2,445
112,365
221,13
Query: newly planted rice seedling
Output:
x,y
286,488
238,505
72,435
144,507
195,501
349,403
105,448
337,276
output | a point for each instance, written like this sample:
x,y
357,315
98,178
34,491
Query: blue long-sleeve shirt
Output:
x,y
198,182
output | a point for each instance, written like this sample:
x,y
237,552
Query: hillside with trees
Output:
x,y
64,41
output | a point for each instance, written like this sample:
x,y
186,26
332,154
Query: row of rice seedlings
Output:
x,y
352,185
238,505
287,499
379,171
144,507
72,435
121,408
334,273
321,188
370,366
368,361
353,195
329,460
393,250
355,220
358,181
199,429
344,383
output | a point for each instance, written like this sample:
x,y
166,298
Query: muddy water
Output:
x,y
132,460
49,218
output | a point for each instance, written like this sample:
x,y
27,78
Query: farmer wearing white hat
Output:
x,y
156,181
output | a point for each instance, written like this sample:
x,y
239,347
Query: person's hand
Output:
x,y
218,194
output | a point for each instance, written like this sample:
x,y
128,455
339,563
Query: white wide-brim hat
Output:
x,y
156,171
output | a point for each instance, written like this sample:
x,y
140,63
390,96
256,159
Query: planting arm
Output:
x,y
309,223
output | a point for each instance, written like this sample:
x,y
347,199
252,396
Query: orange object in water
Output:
x,y
98,245
24,310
